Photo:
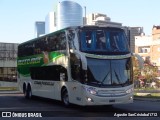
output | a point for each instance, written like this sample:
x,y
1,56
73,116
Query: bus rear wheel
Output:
x,y
28,92
65,97
25,91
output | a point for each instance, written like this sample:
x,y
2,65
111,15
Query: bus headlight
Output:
x,y
89,99
129,90
91,90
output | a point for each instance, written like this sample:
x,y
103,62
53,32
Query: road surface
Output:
x,y
16,104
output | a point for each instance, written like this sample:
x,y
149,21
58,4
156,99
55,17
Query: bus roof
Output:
x,y
34,39
85,26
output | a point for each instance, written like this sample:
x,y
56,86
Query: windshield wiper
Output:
x,y
118,79
105,78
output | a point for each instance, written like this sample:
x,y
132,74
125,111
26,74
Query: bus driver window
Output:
x,y
101,42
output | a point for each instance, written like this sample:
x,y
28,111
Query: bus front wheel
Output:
x,y
65,97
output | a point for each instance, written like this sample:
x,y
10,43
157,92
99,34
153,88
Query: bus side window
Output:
x,y
63,74
52,43
29,49
37,49
20,51
43,45
88,39
62,41
76,69
54,73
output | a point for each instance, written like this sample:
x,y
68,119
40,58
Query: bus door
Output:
x,y
76,76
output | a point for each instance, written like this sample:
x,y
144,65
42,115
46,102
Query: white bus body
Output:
x,y
67,65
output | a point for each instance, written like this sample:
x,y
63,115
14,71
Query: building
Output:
x,y
50,22
155,52
131,32
39,28
90,18
69,13
100,20
145,46
156,32
8,63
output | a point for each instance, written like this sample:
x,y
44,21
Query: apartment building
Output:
x,y
8,63
100,20
146,46
156,32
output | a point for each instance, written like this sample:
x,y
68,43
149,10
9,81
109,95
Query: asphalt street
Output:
x,y
16,104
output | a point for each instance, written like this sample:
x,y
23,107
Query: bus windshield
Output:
x,y
108,41
109,72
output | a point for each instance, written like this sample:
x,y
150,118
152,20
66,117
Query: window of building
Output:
x,y
8,51
8,74
144,49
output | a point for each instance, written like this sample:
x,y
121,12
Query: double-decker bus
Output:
x,y
83,65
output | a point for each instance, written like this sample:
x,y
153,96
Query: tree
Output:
x,y
149,71
136,68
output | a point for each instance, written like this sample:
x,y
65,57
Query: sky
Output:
x,y
17,17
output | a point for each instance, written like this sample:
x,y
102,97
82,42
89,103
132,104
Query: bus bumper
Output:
x,y
96,100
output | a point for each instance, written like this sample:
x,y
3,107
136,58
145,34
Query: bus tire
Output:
x,y
29,92
25,90
65,97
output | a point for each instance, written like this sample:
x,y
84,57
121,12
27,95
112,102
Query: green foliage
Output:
x,y
136,69
148,72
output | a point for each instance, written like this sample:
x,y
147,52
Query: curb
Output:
x,y
147,99
9,92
